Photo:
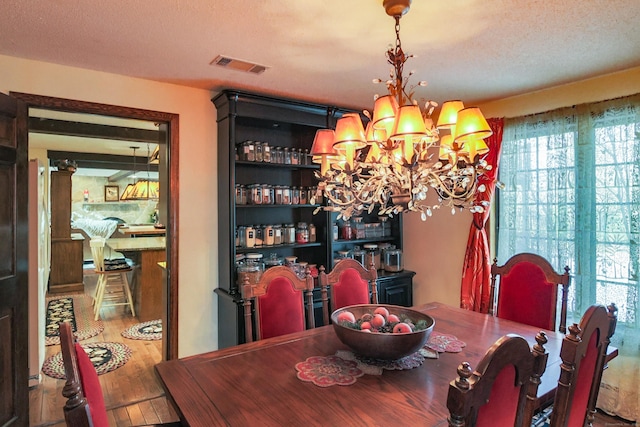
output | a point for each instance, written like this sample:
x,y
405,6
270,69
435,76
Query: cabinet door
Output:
x,y
396,291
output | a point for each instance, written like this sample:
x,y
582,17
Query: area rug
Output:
x,y
148,331
75,309
105,356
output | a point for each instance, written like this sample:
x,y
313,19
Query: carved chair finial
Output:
x,y
464,372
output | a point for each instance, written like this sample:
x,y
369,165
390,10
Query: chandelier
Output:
x,y
400,156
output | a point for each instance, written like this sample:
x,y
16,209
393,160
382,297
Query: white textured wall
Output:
x,y
198,270
435,249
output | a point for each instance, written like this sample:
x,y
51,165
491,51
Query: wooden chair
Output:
x,y
279,300
85,402
527,291
502,390
113,286
351,283
583,354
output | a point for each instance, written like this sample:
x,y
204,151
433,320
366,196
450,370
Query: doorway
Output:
x,y
168,163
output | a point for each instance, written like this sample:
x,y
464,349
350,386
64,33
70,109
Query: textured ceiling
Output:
x,y
330,50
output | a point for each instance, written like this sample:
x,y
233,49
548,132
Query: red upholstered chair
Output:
x,y
583,354
351,283
279,300
502,390
85,402
525,290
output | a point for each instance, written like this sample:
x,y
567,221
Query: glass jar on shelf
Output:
x,y
358,227
302,233
269,237
267,194
306,160
241,194
346,232
273,260
278,155
372,256
254,194
383,247
249,236
277,194
241,236
286,195
258,150
287,156
289,236
250,151
385,226
266,152
295,196
393,260
259,235
312,233
295,157
277,234
252,268
304,195
359,255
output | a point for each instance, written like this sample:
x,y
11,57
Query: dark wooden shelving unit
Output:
x,y
282,123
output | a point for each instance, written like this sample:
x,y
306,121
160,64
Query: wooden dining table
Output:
x,y
257,383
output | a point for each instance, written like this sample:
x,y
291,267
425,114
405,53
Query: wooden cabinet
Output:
x,y
286,124
66,248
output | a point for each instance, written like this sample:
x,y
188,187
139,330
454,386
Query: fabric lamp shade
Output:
x,y
471,125
449,114
385,109
322,149
349,136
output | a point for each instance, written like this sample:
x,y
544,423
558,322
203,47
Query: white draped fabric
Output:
x,y
572,195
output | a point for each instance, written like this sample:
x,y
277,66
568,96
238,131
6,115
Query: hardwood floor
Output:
x,y
132,393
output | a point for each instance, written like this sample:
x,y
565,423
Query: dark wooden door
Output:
x,y
14,373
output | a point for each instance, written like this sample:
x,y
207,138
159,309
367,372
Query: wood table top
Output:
x,y
256,383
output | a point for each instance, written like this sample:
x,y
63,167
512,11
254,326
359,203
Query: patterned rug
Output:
x,y
105,356
148,331
75,309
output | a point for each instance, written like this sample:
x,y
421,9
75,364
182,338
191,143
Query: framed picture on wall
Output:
x,y
111,193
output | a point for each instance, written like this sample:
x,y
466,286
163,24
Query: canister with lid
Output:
x,y
252,268
372,256
359,255
393,260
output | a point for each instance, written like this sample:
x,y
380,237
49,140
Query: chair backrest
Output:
x,y
502,390
279,300
85,401
97,252
527,291
583,353
350,282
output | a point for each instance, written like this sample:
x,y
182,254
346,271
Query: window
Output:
x,y
572,195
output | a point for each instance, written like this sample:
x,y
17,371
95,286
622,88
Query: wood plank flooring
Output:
x,y
133,395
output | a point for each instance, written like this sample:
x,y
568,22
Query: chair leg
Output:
x,y
127,290
102,284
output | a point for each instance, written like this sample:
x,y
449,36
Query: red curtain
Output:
x,y
476,272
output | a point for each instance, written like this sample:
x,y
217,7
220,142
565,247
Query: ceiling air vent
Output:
x,y
238,65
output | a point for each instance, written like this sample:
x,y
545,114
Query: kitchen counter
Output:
x,y
147,284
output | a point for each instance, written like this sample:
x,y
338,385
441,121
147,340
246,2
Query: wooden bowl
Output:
x,y
385,346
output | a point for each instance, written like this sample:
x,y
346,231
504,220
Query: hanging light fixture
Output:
x,y
393,162
142,189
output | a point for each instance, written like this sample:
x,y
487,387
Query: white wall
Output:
x,y
198,270
435,249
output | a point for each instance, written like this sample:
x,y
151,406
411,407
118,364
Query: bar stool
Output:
x,y
113,286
